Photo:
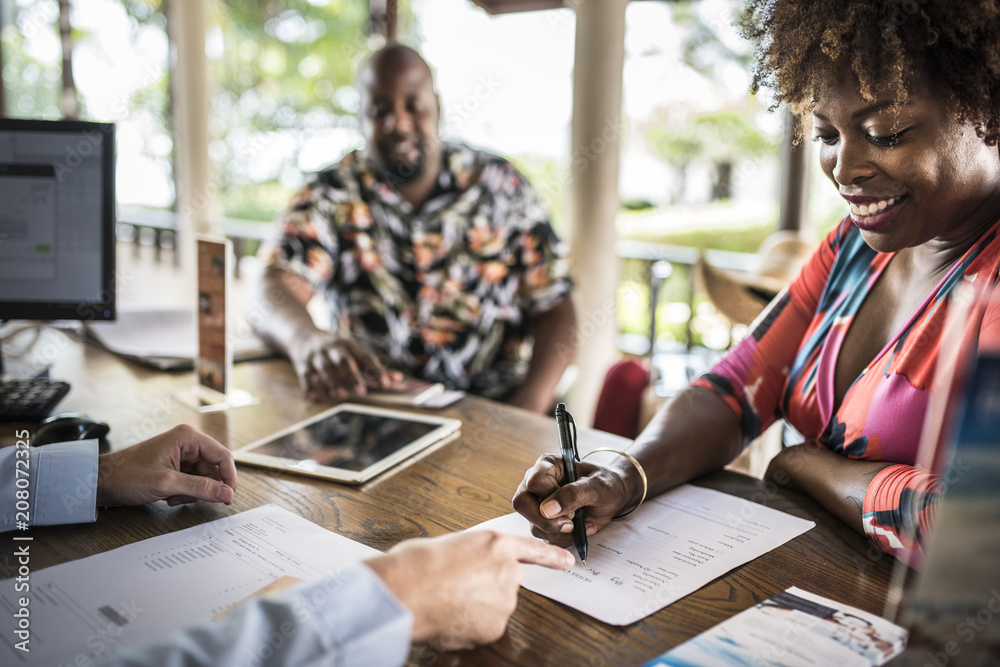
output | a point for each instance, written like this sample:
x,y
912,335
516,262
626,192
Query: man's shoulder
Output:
x,y
470,167
344,173
463,156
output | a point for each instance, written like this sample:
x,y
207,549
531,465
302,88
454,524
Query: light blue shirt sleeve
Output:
x,y
61,484
346,619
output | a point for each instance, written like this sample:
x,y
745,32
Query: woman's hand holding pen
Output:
x,y
549,504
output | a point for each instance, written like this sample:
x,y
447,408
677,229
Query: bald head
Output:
x,y
391,59
400,114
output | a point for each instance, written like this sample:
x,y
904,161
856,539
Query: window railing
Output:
x,y
140,225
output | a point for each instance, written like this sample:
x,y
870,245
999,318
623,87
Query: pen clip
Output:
x,y
572,422
564,417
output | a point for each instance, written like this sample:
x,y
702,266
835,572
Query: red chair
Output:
x,y
620,400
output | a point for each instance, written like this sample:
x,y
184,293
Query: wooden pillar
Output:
x,y
3,96
197,189
391,20
69,101
383,20
794,178
597,96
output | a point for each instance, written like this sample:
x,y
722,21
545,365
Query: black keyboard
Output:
x,y
30,400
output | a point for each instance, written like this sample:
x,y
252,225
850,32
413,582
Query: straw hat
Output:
x,y
742,296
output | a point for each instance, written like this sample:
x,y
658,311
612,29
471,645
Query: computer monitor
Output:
x,y
57,220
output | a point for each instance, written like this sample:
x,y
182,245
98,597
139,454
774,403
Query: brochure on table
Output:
x,y
792,629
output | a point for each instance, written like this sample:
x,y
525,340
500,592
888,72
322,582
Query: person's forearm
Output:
x,y
279,314
693,434
834,481
552,351
346,619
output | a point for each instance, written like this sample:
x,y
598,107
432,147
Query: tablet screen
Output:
x,y
349,443
347,440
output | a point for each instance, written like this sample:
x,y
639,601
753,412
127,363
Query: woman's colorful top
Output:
x,y
785,369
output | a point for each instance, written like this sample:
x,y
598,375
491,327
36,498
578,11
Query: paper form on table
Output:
x,y
671,546
144,591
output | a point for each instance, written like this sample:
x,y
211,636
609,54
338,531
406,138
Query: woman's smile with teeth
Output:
x,y
864,210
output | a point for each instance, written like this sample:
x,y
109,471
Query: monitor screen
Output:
x,y
57,220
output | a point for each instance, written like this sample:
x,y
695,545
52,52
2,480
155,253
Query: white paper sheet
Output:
x,y
671,546
144,591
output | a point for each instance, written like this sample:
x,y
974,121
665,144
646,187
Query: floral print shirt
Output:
x,y
443,292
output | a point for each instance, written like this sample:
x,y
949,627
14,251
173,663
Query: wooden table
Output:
x,y
458,485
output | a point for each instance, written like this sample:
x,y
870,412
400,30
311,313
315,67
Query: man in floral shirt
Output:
x,y
437,261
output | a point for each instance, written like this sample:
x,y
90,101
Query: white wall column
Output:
x,y
597,101
197,190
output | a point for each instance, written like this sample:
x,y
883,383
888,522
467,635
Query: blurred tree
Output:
x,y
3,98
730,135
31,81
68,99
284,76
281,72
703,50
724,136
150,106
679,148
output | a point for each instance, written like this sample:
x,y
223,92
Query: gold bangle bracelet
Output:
x,y
642,473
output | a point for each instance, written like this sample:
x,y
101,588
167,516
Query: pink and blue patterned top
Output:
x,y
785,369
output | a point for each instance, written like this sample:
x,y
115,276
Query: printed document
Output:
x,y
143,592
671,546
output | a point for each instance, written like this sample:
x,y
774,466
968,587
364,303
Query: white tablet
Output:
x,y
349,443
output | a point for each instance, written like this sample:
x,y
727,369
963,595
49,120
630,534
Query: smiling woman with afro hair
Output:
x,y
903,100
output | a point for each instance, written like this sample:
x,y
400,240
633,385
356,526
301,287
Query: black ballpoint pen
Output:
x,y
570,455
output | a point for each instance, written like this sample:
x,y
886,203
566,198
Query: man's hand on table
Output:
x,y
330,366
180,466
